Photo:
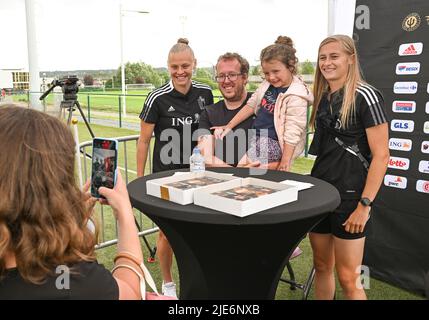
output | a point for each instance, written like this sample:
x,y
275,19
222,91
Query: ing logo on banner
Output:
x,y
411,22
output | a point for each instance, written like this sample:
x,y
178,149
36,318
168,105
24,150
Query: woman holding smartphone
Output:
x,y
47,250
172,112
351,145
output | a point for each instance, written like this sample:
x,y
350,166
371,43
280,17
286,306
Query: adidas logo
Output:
x,y
171,109
410,50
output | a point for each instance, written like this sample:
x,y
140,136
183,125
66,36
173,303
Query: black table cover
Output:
x,y
221,256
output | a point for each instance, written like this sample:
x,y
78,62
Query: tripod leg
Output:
x,y
84,119
69,116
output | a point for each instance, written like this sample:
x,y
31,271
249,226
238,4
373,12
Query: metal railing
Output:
x,y
88,105
104,221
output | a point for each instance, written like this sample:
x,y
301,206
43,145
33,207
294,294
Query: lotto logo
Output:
x,y
425,146
405,87
410,49
407,68
402,125
404,106
395,181
424,166
422,186
399,163
400,144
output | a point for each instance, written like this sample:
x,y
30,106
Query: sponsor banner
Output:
x,y
404,106
405,87
410,49
399,163
395,181
408,68
426,127
400,144
425,146
402,125
424,166
422,186
401,71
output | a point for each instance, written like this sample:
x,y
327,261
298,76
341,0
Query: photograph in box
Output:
x,y
193,183
246,196
244,193
180,188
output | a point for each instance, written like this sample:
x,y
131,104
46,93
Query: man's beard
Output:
x,y
237,96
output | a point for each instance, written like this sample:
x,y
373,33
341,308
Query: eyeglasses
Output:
x,y
230,76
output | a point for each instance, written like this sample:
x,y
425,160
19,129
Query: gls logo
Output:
x,y
400,144
422,186
402,125
395,181
424,166
399,163
407,68
404,106
405,87
410,49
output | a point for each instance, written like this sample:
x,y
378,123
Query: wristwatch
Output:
x,y
365,202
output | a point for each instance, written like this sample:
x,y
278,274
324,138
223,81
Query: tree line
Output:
x,y
140,73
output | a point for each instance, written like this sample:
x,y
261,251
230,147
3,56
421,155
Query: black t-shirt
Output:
x,y
265,117
218,115
88,280
176,117
334,164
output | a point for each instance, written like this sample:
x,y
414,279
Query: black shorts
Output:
x,y
333,223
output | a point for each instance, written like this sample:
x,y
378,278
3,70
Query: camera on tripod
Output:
x,y
70,87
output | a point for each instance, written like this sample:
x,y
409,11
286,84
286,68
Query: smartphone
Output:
x,y
104,164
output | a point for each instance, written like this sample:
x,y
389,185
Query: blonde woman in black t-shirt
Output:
x,y
172,113
47,250
351,145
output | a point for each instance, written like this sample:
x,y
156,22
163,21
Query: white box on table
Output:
x,y
168,187
244,199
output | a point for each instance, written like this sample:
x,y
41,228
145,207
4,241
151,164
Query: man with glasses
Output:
x,y
231,75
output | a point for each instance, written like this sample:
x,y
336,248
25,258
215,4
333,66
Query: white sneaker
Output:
x,y
169,289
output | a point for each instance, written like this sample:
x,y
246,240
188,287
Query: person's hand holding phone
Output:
x,y
117,197
90,201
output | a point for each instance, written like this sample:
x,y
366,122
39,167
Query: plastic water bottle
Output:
x,y
196,161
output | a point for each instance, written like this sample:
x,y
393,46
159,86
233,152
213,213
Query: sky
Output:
x,y
85,34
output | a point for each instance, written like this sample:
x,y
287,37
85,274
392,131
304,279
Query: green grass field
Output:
x,y
301,265
108,101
